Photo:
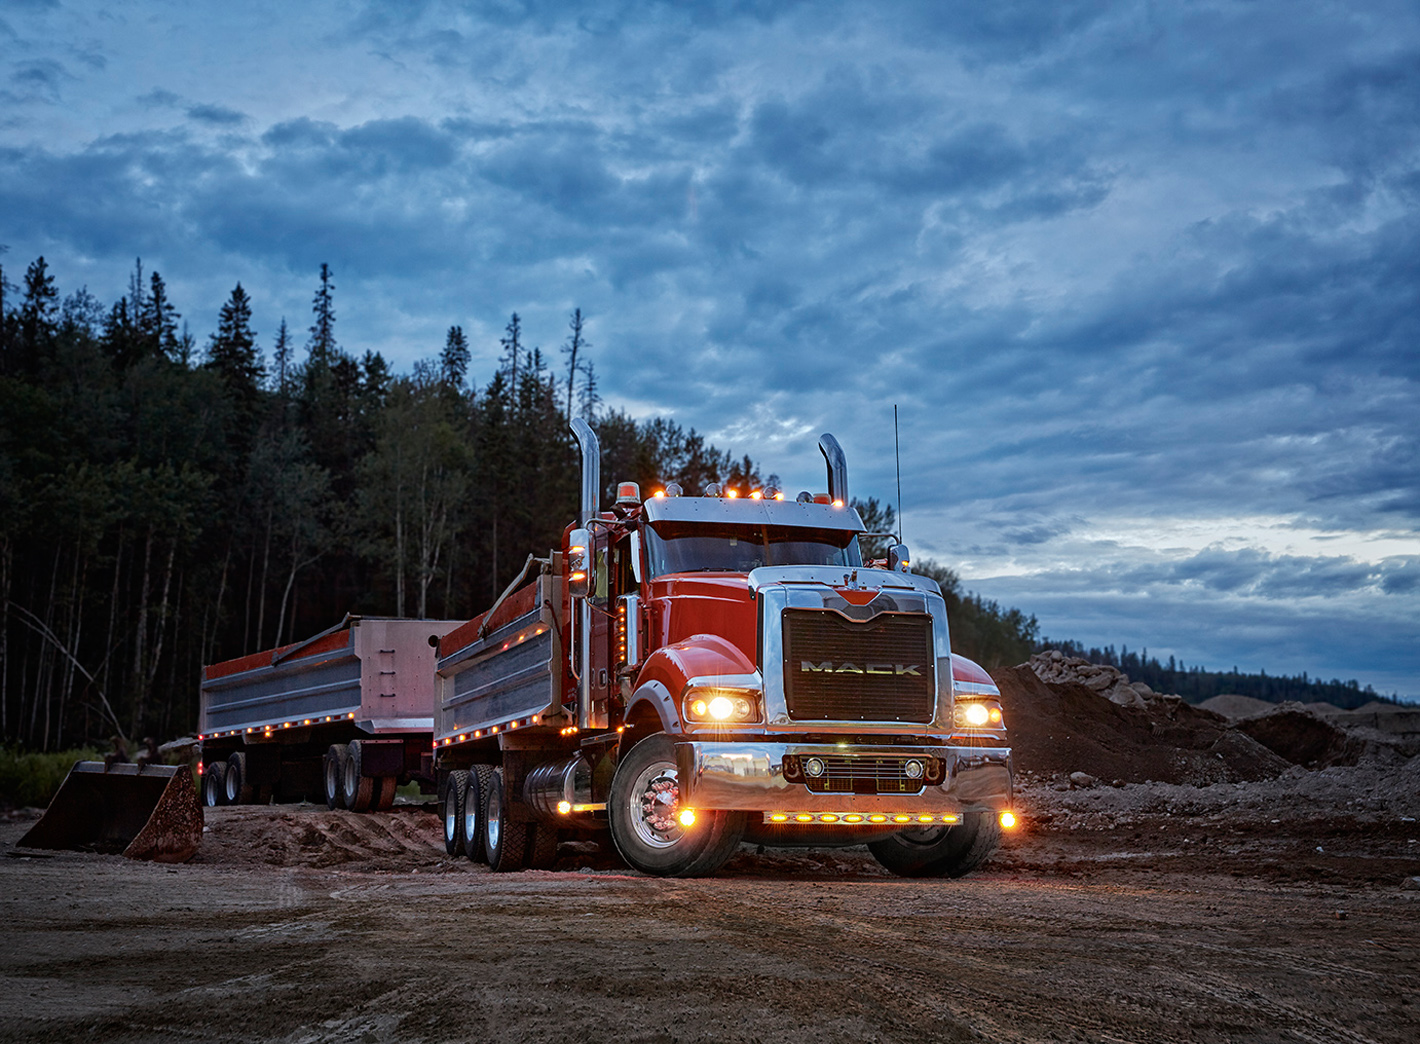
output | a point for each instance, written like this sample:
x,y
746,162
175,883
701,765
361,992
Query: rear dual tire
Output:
x,y
214,784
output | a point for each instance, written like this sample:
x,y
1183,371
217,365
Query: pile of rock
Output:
x,y
1055,667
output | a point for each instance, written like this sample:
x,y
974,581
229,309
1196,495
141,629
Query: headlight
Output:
x,y
977,714
722,706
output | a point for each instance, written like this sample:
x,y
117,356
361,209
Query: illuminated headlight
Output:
x,y
977,714
722,706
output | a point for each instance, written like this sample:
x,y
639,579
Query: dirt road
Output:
x,y
306,925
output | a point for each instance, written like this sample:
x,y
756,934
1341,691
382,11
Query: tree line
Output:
x,y
1196,684
166,503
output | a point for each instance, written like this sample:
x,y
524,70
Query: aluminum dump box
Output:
x,y
376,673
504,670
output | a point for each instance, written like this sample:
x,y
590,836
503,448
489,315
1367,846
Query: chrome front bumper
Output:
x,y
750,777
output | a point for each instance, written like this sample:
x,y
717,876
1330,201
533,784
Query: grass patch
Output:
x,y
30,778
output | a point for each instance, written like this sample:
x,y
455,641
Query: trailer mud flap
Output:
x,y
142,811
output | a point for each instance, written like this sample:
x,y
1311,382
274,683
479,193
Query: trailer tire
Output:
x,y
475,800
384,793
359,789
940,851
542,847
505,839
452,810
643,814
335,776
238,786
214,784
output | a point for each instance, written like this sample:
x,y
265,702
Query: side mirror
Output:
x,y
579,572
899,559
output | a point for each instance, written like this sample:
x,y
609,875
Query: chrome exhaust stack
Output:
x,y
556,789
837,468
591,470
588,716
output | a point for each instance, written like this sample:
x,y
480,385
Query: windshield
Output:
x,y
698,547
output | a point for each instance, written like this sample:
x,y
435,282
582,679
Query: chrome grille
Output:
x,y
879,670
866,775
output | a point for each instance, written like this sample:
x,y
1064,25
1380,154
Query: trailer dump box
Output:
x,y
375,673
143,811
502,670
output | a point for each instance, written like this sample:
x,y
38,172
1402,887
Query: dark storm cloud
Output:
x,y
39,79
216,115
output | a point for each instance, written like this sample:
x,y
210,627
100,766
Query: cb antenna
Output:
x,y
897,455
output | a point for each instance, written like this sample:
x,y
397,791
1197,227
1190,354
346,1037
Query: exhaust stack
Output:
x,y
837,467
591,470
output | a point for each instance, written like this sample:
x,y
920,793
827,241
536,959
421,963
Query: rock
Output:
x,y
1083,780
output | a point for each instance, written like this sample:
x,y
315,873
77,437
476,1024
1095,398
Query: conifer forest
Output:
x,y
168,501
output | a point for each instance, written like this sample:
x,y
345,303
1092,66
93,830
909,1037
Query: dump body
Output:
x,y
293,723
377,673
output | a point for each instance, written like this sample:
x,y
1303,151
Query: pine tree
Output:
x,y
454,360
512,349
589,399
575,343
233,354
322,344
157,321
281,359
38,311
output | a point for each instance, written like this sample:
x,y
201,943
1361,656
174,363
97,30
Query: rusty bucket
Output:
x,y
143,811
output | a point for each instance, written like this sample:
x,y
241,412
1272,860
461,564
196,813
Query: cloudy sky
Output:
x,y
1143,279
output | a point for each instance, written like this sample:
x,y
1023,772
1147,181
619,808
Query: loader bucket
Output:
x,y
143,811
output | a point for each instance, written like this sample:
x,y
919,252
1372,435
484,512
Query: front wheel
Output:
x,y
644,814
940,851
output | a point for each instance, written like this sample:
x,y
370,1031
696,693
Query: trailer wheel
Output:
x,y
453,811
475,796
505,840
359,788
214,784
238,786
335,776
940,851
384,795
643,810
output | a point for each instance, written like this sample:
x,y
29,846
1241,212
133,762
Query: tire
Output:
x,y
384,794
359,789
214,784
542,846
452,811
475,795
505,840
940,851
335,776
642,809
238,785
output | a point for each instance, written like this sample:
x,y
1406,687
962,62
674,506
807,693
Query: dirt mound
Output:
x,y
1232,705
1302,737
1061,727
409,836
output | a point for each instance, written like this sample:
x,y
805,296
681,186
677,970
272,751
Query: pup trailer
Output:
x,y
687,673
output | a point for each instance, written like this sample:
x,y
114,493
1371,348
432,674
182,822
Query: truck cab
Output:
x,y
729,669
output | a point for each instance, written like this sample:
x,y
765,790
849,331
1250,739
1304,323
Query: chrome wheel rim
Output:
x,y
332,784
653,805
451,815
493,821
470,813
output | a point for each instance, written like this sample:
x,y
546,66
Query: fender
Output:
x,y
699,656
654,695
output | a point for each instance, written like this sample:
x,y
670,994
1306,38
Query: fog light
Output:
x,y
913,769
687,817
813,767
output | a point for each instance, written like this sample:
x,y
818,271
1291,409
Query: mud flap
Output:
x,y
142,811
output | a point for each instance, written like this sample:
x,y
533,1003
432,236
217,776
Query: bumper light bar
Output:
x,y
864,818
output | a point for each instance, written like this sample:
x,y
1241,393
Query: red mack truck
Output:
x,y
687,673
